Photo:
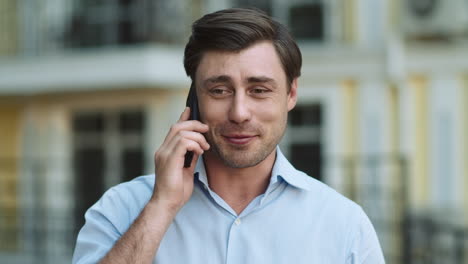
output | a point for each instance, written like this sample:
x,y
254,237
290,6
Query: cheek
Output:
x,y
272,117
213,113
271,111
265,114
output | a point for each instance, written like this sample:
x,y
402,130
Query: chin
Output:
x,y
240,163
242,157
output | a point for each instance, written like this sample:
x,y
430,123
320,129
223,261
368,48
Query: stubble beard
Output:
x,y
244,156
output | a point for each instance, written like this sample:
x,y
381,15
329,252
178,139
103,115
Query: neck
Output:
x,y
238,186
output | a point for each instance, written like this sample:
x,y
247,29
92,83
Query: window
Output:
x,y
306,115
264,5
306,21
304,18
307,158
108,149
305,123
111,22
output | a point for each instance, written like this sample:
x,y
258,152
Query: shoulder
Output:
x,y
122,203
323,202
135,189
319,191
344,219
110,217
348,219
311,189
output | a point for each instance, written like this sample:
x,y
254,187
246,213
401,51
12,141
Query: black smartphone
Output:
x,y
192,102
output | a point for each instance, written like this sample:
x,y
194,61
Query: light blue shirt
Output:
x,y
297,220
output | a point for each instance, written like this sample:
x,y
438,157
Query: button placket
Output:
x,y
232,253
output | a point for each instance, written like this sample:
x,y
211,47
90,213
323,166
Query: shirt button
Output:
x,y
238,221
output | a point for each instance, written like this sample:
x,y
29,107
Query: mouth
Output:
x,y
239,139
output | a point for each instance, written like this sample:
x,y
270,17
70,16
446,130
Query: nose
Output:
x,y
239,111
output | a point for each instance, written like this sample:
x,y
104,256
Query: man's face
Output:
x,y
243,98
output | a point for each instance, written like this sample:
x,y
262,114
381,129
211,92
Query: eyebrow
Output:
x,y
217,79
262,79
225,79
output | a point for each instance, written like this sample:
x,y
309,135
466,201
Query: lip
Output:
x,y
239,139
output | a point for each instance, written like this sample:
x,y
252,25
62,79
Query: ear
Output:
x,y
292,95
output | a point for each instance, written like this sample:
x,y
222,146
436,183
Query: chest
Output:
x,y
203,233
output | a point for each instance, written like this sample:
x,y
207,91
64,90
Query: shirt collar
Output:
x,y
200,172
282,169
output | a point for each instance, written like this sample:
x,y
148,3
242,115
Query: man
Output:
x,y
240,201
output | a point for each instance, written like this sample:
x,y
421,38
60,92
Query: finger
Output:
x,y
174,153
186,145
195,136
191,125
179,145
185,115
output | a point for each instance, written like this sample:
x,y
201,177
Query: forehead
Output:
x,y
259,59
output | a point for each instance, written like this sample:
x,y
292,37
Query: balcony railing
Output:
x,y
43,27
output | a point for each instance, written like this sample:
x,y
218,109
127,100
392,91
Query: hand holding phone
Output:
x,y
174,183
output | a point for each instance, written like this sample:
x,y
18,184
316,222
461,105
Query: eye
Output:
x,y
259,91
220,91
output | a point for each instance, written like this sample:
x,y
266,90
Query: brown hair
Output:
x,y
235,29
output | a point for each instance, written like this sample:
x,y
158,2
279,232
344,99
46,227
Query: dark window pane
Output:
x,y
307,158
126,32
89,180
126,2
422,8
131,121
93,2
264,5
93,35
310,115
89,122
132,161
101,23
307,21
295,116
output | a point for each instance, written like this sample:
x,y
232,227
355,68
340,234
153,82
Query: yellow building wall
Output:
x,y
350,136
8,27
349,21
394,18
393,117
9,160
394,137
419,173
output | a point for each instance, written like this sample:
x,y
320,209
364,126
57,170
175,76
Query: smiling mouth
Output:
x,y
239,139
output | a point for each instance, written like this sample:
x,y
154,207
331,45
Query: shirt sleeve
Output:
x,y
365,246
110,217
99,232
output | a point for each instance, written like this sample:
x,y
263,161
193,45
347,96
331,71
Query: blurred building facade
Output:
x,y
89,88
